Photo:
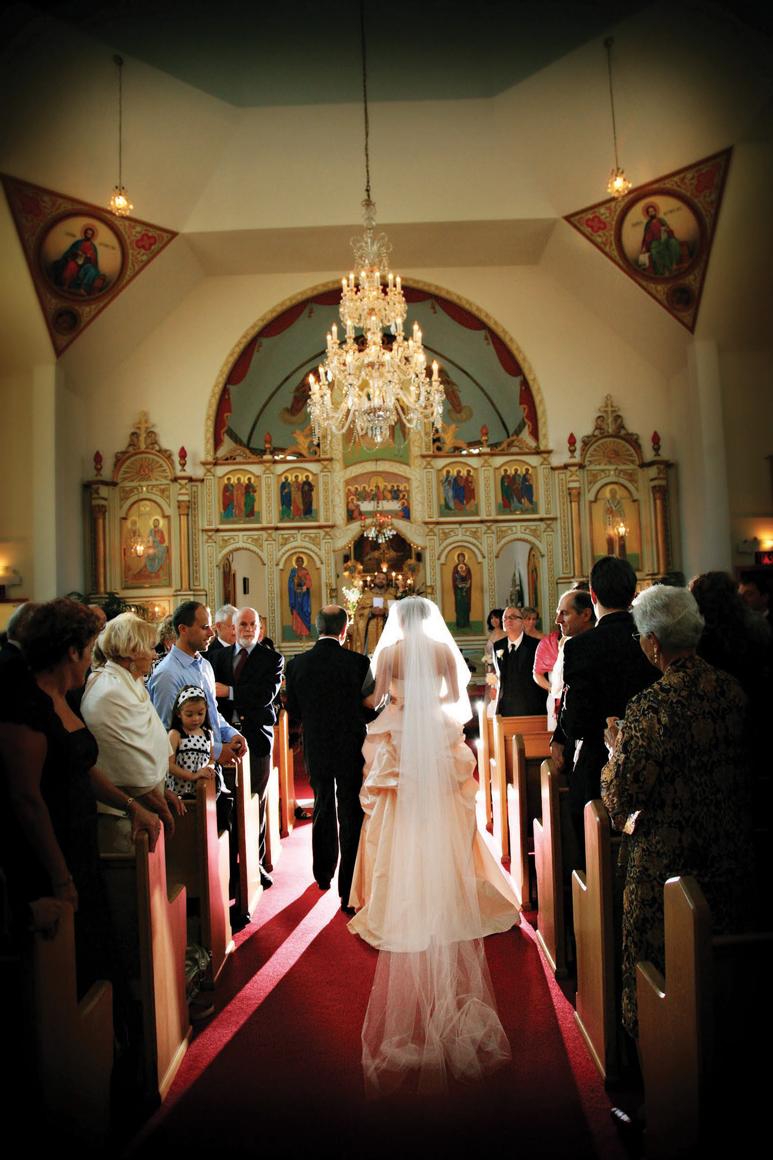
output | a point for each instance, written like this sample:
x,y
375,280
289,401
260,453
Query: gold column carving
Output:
x,y
659,492
183,510
574,509
99,527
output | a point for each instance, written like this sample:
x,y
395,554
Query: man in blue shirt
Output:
x,y
184,665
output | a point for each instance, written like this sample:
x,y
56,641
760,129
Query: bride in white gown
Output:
x,y
425,883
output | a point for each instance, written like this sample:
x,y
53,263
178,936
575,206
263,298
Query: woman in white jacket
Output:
x,y
133,744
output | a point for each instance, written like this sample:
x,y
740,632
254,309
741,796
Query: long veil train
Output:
x,y
431,1010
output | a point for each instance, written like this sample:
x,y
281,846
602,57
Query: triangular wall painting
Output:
x,y
660,234
80,256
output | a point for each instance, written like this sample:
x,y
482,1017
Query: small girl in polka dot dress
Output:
x,y
191,736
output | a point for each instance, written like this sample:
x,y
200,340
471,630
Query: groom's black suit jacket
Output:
x,y
325,688
519,693
254,692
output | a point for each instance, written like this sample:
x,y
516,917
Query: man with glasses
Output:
x,y
519,695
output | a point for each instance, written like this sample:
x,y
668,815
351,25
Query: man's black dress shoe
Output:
x,y
239,920
348,910
266,880
323,885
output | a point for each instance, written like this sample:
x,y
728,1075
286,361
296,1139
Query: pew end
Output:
x,y
548,863
247,805
286,768
698,1027
73,1041
150,926
198,857
594,933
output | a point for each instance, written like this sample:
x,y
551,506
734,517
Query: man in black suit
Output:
x,y
326,687
519,693
247,678
603,669
225,636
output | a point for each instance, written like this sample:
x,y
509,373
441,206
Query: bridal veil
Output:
x,y
431,1010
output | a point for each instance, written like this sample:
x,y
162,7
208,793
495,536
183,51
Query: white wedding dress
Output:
x,y
426,885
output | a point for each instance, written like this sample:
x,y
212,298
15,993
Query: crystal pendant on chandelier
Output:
x,y
618,184
119,202
374,376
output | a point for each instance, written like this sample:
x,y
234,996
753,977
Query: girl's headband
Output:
x,y
190,693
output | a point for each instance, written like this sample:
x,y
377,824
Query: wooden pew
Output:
x,y
714,991
501,767
549,867
284,760
198,857
273,821
485,749
247,805
73,1040
596,1006
150,927
523,804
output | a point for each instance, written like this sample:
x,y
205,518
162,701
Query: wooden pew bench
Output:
x,y
273,819
283,756
247,810
150,927
198,858
703,1030
596,943
73,1041
502,730
523,801
549,868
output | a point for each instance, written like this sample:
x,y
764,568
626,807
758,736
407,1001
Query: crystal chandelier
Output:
x,y
373,376
119,202
618,184
379,528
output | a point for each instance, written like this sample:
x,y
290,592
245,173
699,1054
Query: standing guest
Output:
x,y
603,669
676,784
495,634
225,635
574,616
15,677
225,631
545,659
754,590
530,618
514,663
51,785
248,677
133,746
326,688
734,639
190,739
184,665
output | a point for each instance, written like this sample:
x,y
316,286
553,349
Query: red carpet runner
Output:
x,y
276,1071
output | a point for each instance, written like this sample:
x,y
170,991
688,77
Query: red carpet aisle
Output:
x,y
277,1069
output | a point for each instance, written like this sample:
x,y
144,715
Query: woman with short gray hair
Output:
x,y
676,783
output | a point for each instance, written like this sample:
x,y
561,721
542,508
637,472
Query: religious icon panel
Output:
x,y
301,597
458,491
297,497
516,490
239,498
145,546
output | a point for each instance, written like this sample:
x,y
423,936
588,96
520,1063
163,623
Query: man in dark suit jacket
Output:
x,y
519,693
603,669
326,687
247,678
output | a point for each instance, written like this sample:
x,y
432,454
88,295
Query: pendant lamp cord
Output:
x,y
365,98
119,62
608,46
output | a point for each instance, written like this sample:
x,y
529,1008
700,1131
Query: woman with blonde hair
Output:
x,y
133,744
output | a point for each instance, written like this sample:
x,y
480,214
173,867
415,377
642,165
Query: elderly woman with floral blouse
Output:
x,y
676,783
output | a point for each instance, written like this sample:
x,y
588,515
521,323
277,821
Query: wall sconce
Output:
x,y
748,547
9,578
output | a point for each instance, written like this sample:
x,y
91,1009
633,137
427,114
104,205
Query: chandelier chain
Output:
x,y
610,40
363,47
119,62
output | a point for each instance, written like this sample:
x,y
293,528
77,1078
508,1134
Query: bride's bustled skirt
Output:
x,y
432,1010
